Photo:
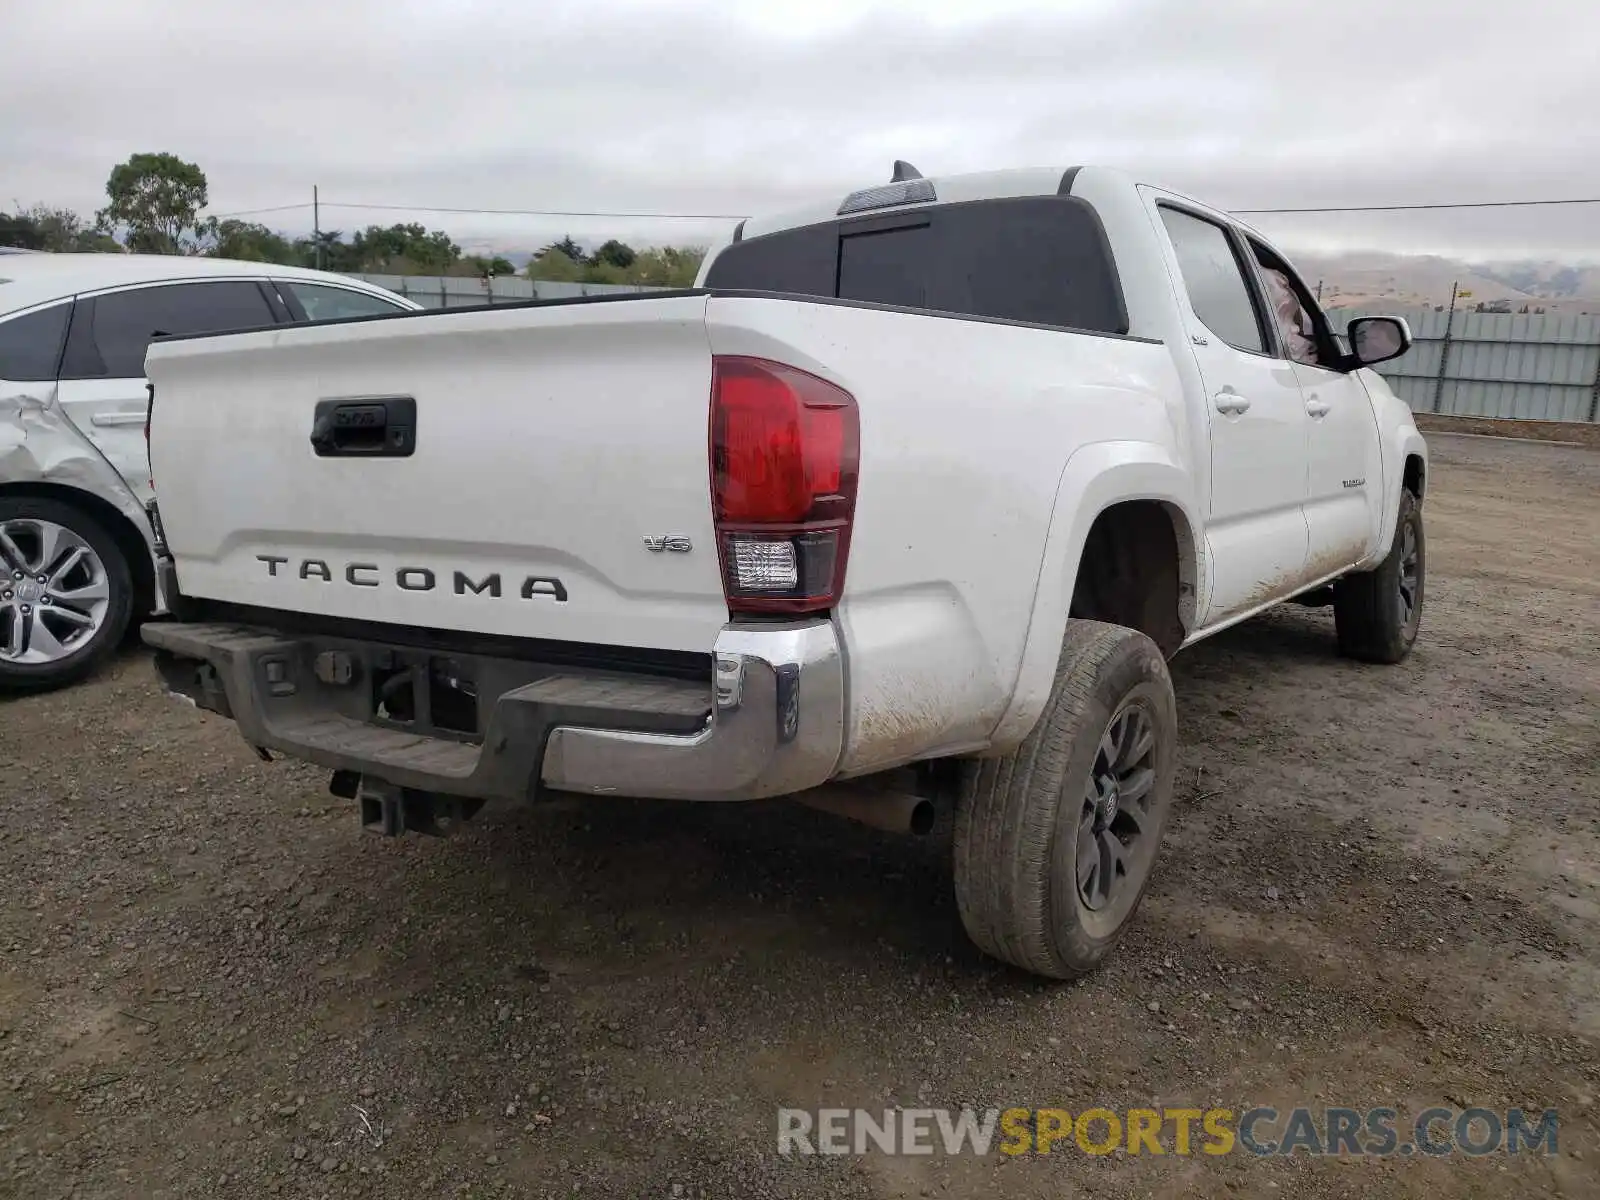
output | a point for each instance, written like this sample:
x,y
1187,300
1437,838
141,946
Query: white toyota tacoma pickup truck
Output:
x,y
934,475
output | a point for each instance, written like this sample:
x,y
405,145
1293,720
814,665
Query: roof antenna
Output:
x,y
904,171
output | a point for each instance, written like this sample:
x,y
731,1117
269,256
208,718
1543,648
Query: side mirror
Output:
x,y
1378,339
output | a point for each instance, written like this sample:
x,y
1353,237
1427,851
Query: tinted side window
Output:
x,y
804,261
30,346
1214,280
1043,260
327,303
111,333
1039,259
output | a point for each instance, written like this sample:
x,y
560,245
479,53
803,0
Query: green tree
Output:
x,y
604,272
337,254
156,199
19,231
566,246
613,254
403,248
55,229
250,242
618,263
555,266
667,266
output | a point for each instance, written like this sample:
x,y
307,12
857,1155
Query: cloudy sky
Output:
x,y
717,106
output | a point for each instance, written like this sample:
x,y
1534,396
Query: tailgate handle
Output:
x,y
381,427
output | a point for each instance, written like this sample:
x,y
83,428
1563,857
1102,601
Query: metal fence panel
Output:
x,y
1527,366
451,291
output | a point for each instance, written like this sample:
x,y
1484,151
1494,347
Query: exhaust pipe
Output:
x,y
893,812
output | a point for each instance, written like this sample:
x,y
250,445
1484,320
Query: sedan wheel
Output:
x,y
66,593
57,596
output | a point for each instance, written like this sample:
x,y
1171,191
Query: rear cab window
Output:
x,y
1039,260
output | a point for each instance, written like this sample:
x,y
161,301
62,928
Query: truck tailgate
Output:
x,y
557,474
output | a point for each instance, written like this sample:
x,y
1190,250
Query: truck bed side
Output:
x,y
966,429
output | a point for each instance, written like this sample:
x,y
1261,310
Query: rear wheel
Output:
x,y
1377,613
66,594
1055,843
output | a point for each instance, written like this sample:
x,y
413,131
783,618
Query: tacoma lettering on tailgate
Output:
x,y
412,579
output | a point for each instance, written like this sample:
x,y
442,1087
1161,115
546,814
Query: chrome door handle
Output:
x,y
1230,402
1317,408
117,418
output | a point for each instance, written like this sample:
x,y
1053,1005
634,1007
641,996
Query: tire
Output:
x,y
91,581
1019,818
1376,620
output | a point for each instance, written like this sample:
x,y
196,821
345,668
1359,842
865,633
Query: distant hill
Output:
x,y
1424,280
1550,280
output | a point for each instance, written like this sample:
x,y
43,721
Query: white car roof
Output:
x,y
29,279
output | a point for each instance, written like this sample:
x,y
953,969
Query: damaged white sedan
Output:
x,y
76,543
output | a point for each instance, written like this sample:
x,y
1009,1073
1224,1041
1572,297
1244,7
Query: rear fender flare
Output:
x,y
1094,478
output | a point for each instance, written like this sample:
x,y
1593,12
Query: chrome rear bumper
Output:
x,y
769,721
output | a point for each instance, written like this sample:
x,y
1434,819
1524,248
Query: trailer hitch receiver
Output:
x,y
391,810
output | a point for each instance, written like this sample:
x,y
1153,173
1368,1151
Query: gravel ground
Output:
x,y
1381,888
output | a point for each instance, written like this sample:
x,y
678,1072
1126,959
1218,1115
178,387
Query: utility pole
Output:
x,y
1444,349
1319,291
316,224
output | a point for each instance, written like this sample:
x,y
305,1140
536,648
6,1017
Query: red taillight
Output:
x,y
785,449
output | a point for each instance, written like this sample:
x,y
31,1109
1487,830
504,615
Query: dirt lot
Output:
x,y
1382,888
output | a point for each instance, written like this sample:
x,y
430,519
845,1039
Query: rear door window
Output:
x,y
30,345
1215,281
111,333
1038,259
